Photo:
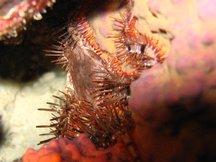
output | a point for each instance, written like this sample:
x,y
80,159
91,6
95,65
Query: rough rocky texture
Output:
x,y
23,89
18,109
173,104
80,149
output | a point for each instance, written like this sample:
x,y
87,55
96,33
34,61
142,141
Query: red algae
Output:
x,y
79,149
15,14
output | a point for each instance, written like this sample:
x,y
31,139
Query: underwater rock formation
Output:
x,y
172,104
14,15
79,149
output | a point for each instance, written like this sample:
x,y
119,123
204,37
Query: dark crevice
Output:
x,y
22,59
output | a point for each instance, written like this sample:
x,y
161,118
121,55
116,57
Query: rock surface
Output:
x,y
18,108
173,104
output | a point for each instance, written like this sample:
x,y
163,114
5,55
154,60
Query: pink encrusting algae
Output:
x,y
14,15
79,149
172,104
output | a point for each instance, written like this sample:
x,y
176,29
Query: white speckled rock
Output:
x,y
18,107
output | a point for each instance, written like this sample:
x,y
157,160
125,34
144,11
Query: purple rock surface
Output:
x,y
174,103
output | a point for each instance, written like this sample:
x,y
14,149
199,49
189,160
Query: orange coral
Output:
x,y
79,149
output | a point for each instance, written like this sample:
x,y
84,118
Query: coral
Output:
x,y
79,149
15,15
172,104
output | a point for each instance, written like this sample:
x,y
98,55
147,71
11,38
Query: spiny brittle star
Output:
x,y
96,98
